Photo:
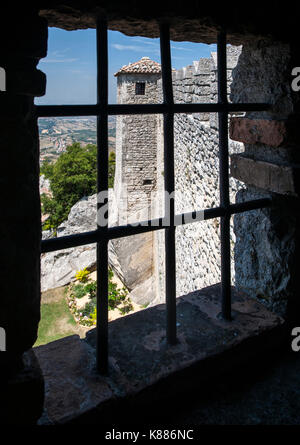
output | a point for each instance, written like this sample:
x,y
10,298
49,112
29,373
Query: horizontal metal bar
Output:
x,y
69,241
121,109
247,206
81,239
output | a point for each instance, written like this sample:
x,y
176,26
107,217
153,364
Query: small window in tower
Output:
x,y
140,88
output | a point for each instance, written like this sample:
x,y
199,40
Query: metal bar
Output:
x,y
102,187
169,183
119,109
224,178
81,239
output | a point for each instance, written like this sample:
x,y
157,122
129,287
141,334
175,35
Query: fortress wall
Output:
x,y
196,180
140,157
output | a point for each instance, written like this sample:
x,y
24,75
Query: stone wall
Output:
x,y
139,158
20,226
196,179
267,246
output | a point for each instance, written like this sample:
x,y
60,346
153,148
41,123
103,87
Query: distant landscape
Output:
x,y
57,133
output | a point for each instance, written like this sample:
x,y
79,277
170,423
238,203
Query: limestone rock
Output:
x,y
44,185
143,293
134,256
129,257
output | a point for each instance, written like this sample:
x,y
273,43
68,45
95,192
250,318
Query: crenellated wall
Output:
x,y
139,155
196,179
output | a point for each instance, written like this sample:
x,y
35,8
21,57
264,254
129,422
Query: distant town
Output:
x,y
58,132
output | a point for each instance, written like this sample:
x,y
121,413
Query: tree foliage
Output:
x,y
71,177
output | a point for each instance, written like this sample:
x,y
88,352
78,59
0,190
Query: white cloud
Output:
x,y
147,42
136,48
59,52
180,48
70,60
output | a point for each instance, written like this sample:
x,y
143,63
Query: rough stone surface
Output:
x,y
255,131
196,180
137,138
59,267
129,257
266,240
140,168
20,225
44,185
143,293
134,255
265,250
189,20
265,175
262,75
142,364
22,394
72,386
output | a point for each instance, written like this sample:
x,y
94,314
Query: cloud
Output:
x,y
180,48
147,42
136,48
70,60
59,52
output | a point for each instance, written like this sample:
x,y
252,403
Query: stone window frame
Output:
x,y
103,234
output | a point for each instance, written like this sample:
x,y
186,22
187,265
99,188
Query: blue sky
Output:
x,y
70,65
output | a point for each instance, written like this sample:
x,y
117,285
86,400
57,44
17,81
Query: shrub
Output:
x,y
82,275
117,298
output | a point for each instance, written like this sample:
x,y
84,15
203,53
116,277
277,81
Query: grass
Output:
x,y
56,320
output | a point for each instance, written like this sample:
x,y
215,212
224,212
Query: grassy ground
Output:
x,y
56,319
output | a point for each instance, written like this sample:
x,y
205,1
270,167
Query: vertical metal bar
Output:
x,y
169,181
102,189
224,178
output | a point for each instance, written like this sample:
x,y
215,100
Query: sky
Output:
x,y
70,65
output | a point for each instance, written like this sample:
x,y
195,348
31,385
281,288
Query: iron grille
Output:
x,y
168,109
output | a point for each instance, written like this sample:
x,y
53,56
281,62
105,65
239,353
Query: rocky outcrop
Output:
x,y
44,185
130,257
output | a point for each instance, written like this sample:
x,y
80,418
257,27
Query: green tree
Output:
x,y
71,177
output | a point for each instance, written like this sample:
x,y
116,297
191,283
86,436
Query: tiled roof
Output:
x,y
143,66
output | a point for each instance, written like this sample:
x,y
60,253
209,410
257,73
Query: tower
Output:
x,y
137,138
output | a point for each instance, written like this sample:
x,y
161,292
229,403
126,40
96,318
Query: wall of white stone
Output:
x,y
196,180
140,156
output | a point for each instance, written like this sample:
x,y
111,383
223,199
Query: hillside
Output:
x,y
57,133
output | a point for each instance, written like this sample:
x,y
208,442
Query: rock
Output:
x,y
82,217
58,268
129,257
143,294
134,262
46,234
44,185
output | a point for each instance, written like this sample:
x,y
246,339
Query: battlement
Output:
x,y
197,83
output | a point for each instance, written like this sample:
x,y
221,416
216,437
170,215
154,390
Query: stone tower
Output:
x,y
137,138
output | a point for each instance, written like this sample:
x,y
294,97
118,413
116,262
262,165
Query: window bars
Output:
x,y
103,233
140,88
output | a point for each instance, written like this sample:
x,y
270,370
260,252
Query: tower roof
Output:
x,y
143,66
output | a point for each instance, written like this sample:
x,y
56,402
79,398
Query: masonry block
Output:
x,y
265,175
258,131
